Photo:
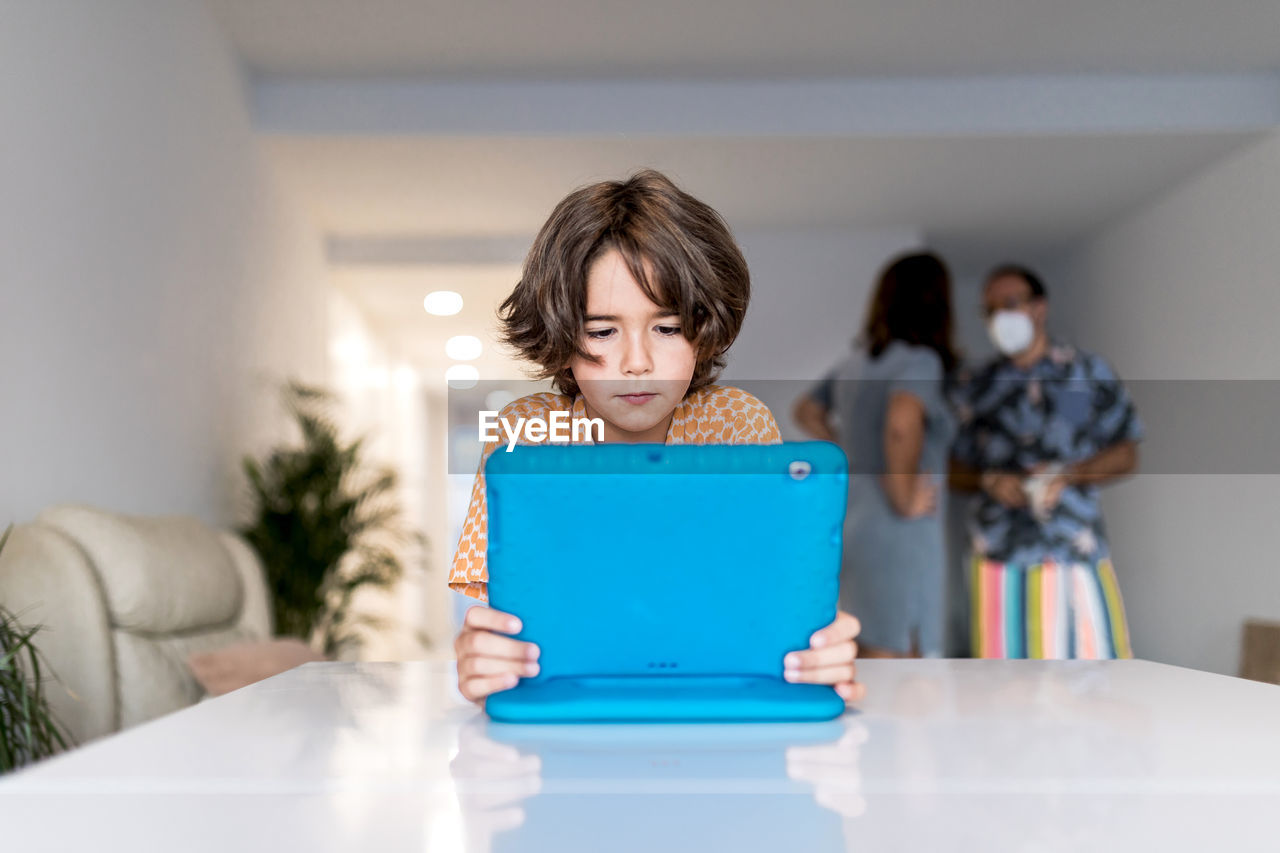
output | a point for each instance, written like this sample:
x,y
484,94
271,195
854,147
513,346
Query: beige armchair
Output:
x,y
124,601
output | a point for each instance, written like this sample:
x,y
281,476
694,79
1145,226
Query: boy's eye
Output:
x,y
668,330
599,334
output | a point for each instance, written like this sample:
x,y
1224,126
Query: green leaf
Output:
x,y
314,506
29,731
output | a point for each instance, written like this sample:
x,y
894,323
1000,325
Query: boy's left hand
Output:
x,y
830,659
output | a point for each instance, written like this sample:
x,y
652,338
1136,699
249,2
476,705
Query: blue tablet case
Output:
x,y
666,582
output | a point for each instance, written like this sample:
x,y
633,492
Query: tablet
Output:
x,y
666,582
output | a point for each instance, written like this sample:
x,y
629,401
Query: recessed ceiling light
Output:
x,y
443,303
462,376
463,347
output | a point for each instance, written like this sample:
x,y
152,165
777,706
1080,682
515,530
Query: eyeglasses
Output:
x,y
1011,304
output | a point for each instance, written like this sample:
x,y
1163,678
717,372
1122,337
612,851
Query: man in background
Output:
x,y
1041,428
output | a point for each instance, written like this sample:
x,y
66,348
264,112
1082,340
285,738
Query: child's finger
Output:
x,y
845,627
490,645
851,691
479,665
822,674
826,656
488,619
480,687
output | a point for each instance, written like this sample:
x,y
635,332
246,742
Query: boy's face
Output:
x,y
646,363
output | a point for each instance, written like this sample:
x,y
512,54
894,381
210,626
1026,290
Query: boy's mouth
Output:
x,y
638,399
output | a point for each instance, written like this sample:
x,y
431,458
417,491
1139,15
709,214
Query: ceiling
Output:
x,y
971,193
391,298
751,38
975,197
1003,190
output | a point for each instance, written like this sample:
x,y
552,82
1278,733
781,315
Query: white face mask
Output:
x,y
1011,331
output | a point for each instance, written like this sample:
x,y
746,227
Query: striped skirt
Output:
x,y
1047,611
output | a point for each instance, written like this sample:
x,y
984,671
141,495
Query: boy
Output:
x,y
630,296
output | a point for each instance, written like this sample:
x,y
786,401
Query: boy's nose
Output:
x,y
636,358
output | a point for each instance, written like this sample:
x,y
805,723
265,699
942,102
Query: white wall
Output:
x,y
1189,288
154,284
385,400
809,293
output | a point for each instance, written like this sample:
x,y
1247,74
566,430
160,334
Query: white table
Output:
x,y
945,755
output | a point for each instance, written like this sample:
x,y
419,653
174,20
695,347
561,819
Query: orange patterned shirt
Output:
x,y
711,415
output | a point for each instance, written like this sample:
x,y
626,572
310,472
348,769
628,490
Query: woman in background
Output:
x,y
894,424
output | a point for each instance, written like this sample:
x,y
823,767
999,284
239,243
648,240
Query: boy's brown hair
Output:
x,y
678,249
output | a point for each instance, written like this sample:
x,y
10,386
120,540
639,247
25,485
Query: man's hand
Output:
x,y
1053,493
1046,484
1005,488
829,659
488,661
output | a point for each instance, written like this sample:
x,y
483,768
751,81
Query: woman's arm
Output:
x,y
909,492
812,417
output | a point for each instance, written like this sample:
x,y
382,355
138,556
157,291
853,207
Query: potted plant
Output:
x,y
28,729
324,525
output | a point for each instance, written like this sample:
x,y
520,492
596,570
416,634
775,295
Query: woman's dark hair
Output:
x,y
912,303
678,249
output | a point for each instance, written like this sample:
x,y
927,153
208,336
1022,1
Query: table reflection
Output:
x,y
647,787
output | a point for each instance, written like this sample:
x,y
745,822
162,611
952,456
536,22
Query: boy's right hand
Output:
x,y
488,661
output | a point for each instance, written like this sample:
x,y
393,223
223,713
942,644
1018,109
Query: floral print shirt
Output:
x,y
1065,408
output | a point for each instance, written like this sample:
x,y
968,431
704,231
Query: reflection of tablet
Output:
x,y
666,582
649,822
645,787
743,753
